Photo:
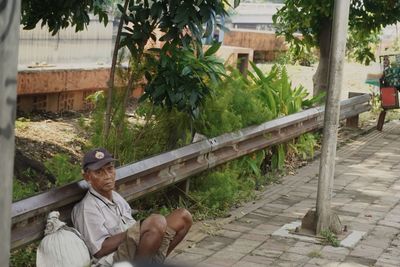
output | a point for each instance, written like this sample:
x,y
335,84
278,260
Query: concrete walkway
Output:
x,y
366,197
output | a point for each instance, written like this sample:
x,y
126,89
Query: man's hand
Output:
x,y
110,245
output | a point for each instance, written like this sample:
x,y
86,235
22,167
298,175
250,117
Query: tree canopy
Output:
x,y
313,18
60,14
182,70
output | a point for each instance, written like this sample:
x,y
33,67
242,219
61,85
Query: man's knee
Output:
x,y
155,225
185,216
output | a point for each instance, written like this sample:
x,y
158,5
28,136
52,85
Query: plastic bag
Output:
x,y
61,246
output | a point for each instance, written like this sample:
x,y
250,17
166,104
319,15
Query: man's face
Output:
x,y
103,179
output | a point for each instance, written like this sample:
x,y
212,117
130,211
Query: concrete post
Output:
x,y
332,111
352,122
9,35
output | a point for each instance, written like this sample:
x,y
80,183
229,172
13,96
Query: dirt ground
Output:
x,y
41,138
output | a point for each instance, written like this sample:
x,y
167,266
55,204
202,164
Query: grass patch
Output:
x,y
330,238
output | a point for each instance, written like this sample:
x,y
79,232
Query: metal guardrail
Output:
x,y
142,177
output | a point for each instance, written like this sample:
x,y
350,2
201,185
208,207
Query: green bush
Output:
x,y
214,192
238,102
64,171
23,190
24,257
232,106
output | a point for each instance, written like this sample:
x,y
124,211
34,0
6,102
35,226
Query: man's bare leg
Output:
x,y
179,220
152,232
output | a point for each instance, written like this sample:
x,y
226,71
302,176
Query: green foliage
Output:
x,y
180,76
238,102
232,106
64,171
152,131
24,257
275,90
330,238
21,123
59,14
360,47
216,191
311,17
23,190
304,145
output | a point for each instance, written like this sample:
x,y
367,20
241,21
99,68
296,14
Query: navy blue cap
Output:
x,y
96,158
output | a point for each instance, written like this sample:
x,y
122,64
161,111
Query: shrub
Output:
x,y
64,171
23,190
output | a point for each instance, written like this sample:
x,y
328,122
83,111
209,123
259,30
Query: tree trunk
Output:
x,y
326,219
320,78
107,120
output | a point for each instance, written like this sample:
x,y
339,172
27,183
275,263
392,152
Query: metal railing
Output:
x,y
145,176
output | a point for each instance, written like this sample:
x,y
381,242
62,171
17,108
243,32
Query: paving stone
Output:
x,y
294,257
368,252
384,232
390,224
229,254
299,194
243,245
388,261
266,252
187,258
374,242
333,256
237,227
203,264
282,220
318,261
336,250
228,233
248,264
265,229
201,251
255,237
363,261
213,261
275,207
258,259
246,222
304,248
283,263
215,243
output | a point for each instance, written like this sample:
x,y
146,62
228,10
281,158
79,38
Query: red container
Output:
x,y
389,97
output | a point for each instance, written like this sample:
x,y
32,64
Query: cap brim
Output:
x,y
97,165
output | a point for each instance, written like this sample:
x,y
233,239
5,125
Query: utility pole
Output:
x,y
325,218
9,36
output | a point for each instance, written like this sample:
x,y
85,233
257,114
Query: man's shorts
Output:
x,y
127,250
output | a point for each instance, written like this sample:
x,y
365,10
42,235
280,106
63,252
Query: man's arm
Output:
x,y
110,244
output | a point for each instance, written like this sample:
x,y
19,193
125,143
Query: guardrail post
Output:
x,y
184,186
9,35
352,122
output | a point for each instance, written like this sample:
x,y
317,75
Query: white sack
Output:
x,y
61,246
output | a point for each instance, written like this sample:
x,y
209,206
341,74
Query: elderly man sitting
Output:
x,y
104,219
